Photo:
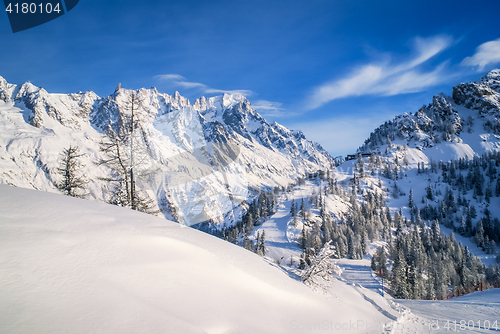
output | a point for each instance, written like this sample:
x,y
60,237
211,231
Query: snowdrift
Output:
x,y
74,266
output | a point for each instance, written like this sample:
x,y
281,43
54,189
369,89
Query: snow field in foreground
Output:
x,y
74,266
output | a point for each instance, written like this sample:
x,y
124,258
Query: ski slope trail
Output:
x,y
359,273
478,312
278,246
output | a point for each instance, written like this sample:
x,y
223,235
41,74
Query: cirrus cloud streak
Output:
x,y
180,81
387,78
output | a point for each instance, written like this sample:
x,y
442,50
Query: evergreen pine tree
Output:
x,y
293,209
399,277
303,210
303,240
363,243
249,224
429,287
430,195
462,229
379,262
435,231
479,236
488,195
261,243
411,202
247,243
351,247
472,211
327,228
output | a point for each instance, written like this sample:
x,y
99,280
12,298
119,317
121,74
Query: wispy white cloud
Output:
x,y
387,78
180,81
270,108
486,54
234,91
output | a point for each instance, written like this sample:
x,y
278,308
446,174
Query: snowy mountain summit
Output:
x,y
203,159
451,127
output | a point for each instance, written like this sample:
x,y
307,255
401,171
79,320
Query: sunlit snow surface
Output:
x,y
478,312
77,266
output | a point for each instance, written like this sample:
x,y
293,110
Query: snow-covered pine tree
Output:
x,y
351,246
411,202
249,223
429,194
247,243
479,236
379,262
303,212
321,267
261,244
293,209
399,281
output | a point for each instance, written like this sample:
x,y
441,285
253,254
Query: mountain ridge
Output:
x,y
37,125
469,119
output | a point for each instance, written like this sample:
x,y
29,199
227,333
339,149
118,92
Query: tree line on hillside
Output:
x,y
425,263
478,177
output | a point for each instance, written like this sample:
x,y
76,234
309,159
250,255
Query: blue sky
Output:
x,y
334,69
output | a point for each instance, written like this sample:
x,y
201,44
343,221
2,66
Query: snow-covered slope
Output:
x,y
451,127
184,141
464,125
74,266
477,312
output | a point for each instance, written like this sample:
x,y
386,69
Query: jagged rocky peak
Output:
x,y
232,99
6,89
200,103
3,83
442,103
446,117
482,95
88,98
221,117
179,100
25,90
492,79
218,103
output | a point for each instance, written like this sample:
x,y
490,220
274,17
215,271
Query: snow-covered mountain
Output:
x,y
440,165
451,127
184,140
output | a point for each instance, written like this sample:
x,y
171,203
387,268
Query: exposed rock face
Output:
x,y
207,155
447,118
